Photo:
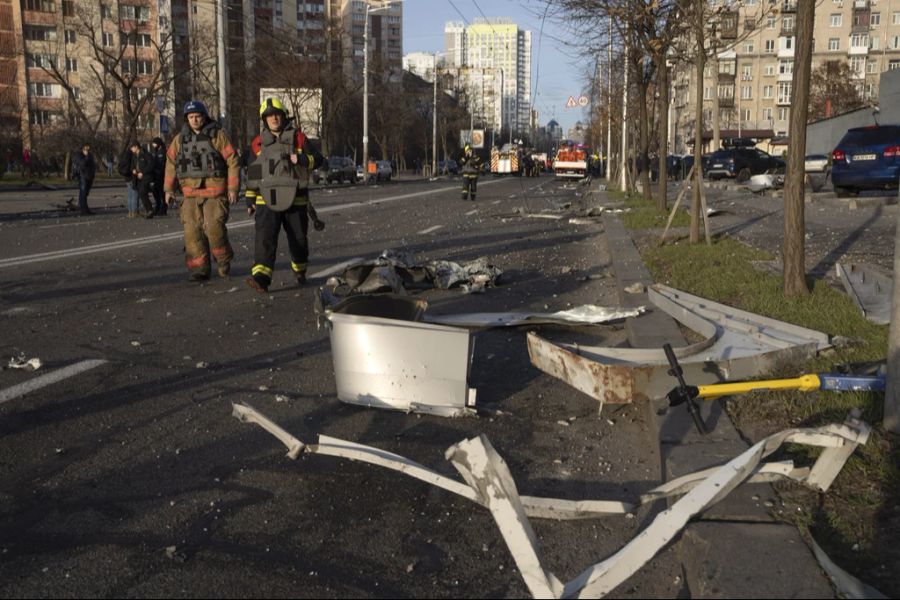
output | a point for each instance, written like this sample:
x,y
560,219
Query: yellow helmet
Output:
x,y
271,106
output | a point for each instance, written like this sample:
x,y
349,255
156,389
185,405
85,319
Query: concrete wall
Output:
x,y
889,97
823,136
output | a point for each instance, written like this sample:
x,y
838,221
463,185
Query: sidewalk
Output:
x,y
736,549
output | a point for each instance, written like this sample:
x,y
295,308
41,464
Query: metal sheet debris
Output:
x,y
761,183
735,344
20,362
846,584
397,271
489,483
402,365
870,289
588,314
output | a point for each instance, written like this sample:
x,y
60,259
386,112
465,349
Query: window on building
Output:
x,y
40,61
858,65
895,18
875,18
767,114
139,40
834,44
72,64
107,39
895,42
875,43
783,113
784,92
786,67
872,66
893,64
707,93
746,92
745,114
770,46
43,117
76,92
129,12
39,34
106,11
746,71
859,40
68,7
770,22
837,20
726,91
787,23
47,6
749,48
770,69
787,43
70,36
767,91
42,90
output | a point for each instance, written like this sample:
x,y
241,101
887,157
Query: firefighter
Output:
x,y
202,162
281,161
471,164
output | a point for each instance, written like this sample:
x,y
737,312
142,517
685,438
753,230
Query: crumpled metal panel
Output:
x,y
736,344
871,291
587,314
402,365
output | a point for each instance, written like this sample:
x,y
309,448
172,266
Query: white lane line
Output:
x,y
471,212
153,239
430,229
48,379
79,223
335,268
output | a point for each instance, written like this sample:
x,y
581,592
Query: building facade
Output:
x,y
498,47
750,80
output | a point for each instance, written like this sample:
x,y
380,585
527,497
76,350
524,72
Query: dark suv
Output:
x,y
867,158
336,168
741,163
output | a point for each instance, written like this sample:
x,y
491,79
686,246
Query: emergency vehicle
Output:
x,y
571,160
506,160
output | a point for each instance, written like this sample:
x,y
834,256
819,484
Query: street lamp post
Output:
x,y
365,137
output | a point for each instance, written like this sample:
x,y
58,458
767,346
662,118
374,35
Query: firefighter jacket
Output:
x,y
471,165
203,164
270,167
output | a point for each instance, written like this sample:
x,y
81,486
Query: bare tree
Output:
x,y
832,90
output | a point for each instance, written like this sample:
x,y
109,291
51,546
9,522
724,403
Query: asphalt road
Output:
x,y
130,478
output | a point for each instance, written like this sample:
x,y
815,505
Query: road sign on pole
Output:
x,y
583,101
571,103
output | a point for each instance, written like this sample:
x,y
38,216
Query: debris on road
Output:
x,y
587,314
846,584
735,345
489,482
20,362
761,183
870,289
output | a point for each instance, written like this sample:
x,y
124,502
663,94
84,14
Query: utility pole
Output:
x,y
365,136
624,157
223,74
609,100
434,123
892,393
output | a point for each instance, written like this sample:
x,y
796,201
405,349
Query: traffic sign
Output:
x,y
571,103
583,101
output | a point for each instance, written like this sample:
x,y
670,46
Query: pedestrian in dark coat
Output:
x,y
86,169
142,176
158,152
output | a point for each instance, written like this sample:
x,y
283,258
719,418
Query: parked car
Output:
x,y
383,171
447,167
816,163
360,173
741,163
866,158
339,169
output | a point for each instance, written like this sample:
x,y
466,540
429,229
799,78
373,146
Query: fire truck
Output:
x,y
571,160
506,160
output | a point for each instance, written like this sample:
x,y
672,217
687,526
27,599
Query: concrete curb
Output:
x,y
736,549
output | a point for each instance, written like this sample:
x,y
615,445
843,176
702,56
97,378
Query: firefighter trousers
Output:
x,y
205,233
268,225
470,186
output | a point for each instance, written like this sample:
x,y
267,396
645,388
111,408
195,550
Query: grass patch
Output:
x,y
857,521
642,214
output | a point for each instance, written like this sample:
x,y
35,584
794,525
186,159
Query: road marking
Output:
x,y
430,229
335,268
66,225
153,239
471,212
49,379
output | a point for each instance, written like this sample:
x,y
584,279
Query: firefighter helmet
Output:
x,y
270,107
195,106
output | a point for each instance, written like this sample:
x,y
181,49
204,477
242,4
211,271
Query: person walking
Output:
x,y
142,176
202,162
471,164
158,154
278,172
85,169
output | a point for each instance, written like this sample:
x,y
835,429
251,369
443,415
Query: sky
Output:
x,y
557,73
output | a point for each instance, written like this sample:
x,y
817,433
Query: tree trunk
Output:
x,y
716,124
793,253
662,84
699,31
644,133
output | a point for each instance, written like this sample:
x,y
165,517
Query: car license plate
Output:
x,y
717,165
864,156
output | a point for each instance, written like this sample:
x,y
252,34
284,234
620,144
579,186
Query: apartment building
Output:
x,y
498,45
749,81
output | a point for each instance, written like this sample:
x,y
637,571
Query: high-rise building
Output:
x,y
420,64
496,44
750,82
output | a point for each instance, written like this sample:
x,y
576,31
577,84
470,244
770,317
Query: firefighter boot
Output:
x,y
259,283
